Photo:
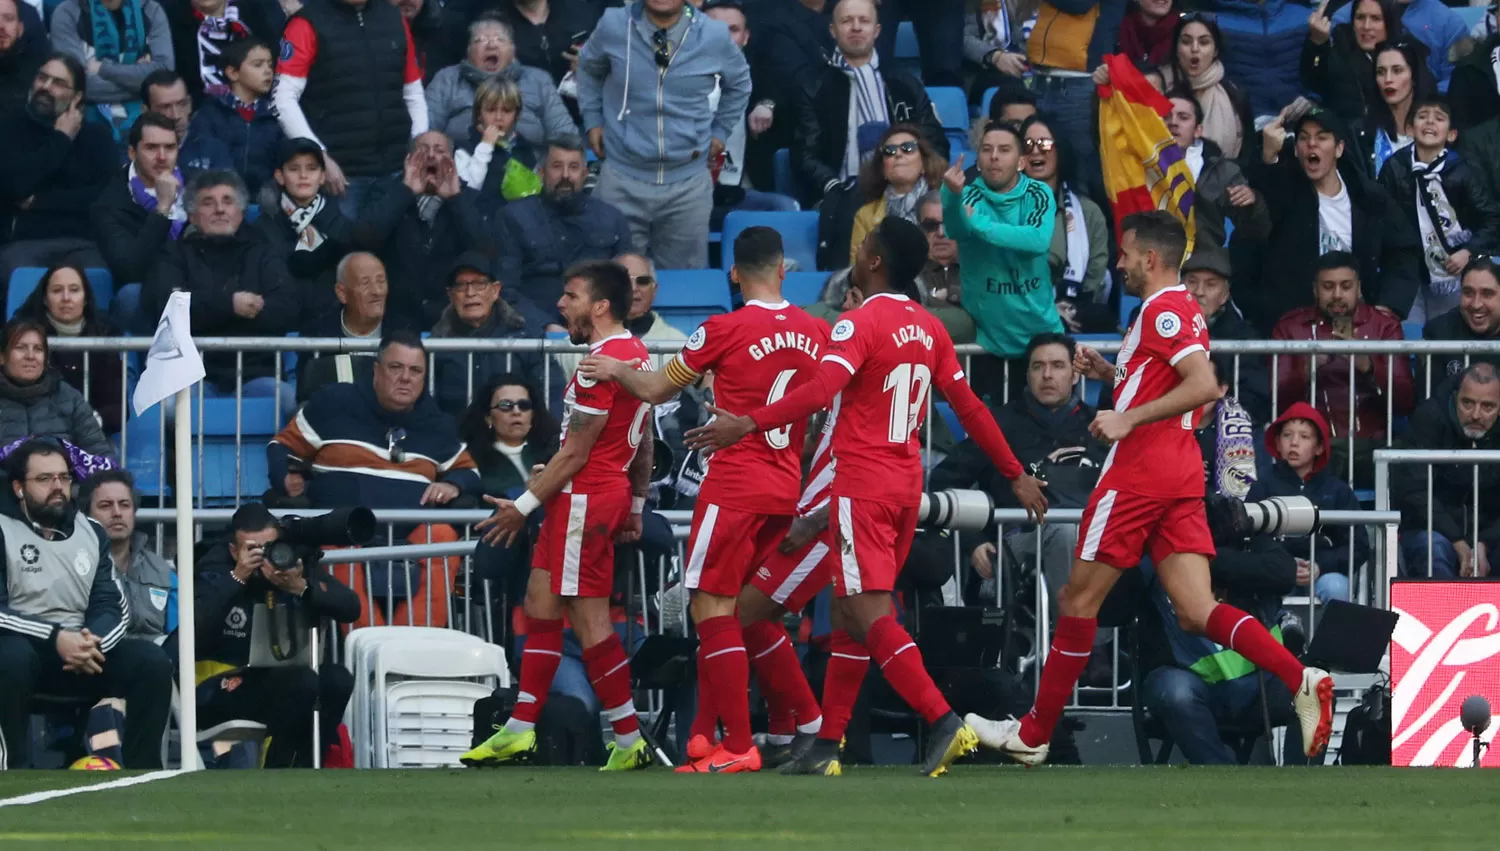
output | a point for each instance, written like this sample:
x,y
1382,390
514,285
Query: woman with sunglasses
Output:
x,y
508,431
1197,61
1338,61
1079,255
894,180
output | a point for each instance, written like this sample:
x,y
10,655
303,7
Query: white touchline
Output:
x,y
38,797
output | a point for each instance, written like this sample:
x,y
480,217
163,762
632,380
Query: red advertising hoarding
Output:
x,y
1446,647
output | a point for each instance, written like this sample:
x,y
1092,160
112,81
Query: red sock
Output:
x,y
609,674
847,663
901,663
706,719
789,699
1244,635
540,657
1071,645
725,669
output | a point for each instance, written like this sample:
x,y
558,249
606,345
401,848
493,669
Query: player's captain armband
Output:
x,y
680,373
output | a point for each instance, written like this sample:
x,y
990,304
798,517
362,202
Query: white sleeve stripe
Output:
x,y
1184,353
958,376
26,626
841,362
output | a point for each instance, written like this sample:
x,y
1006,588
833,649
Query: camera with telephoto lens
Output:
x,y
960,510
1231,521
303,538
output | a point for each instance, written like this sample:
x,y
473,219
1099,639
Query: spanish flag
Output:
x,y
1144,169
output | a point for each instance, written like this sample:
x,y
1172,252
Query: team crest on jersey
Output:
x,y
1167,324
842,331
695,342
287,50
30,554
82,562
584,381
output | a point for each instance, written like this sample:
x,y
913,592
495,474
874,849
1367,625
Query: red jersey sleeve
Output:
x,y
413,66
591,397
706,346
1173,330
849,343
299,47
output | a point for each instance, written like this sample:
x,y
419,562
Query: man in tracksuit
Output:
x,y
644,78
63,617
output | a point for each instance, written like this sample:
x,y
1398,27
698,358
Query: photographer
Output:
x,y
239,594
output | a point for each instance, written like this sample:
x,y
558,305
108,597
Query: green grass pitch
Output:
x,y
1102,809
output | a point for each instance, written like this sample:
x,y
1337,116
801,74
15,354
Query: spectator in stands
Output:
x,y
148,580
1206,274
492,55
1338,62
348,78
1003,225
1459,420
939,26
420,220
1436,26
1299,445
361,292
436,32
541,236
659,144
305,229
141,210
1446,201
1148,33
63,605
1047,424
549,33
475,311
1341,314
993,41
1079,253
64,304
1220,189
904,169
205,31
491,158
1476,319
53,164
1261,50
237,586
164,92
1197,65
1473,91
23,49
941,277
120,43
794,39
508,431
1320,203
35,401
1013,106
1402,80
837,106
1069,40
239,115
240,286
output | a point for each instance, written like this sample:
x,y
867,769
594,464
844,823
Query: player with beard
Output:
x,y
594,490
883,358
1149,500
745,507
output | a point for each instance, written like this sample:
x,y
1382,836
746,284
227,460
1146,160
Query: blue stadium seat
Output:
x,y
984,101
686,297
252,212
1411,330
803,288
145,455
906,42
950,419
799,235
25,279
1471,15
952,107
1128,304
958,143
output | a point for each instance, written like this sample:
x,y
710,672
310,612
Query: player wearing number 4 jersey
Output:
x,y
594,489
745,506
883,358
1149,500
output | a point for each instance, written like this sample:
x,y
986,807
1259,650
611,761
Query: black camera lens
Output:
x,y
281,555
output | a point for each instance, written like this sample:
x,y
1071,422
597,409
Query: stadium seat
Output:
x,y
1411,330
952,107
425,720
25,279
1128,304
252,212
950,419
360,650
799,234
984,101
906,42
225,468
1471,15
686,297
958,144
803,288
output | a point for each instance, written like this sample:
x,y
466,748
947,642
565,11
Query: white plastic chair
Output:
x,y
359,653
439,679
429,723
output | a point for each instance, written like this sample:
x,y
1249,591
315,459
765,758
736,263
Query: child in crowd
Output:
x,y
494,160
1448,201
1299,445
239,114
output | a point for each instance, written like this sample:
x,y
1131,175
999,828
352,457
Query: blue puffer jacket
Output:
x,y
1262,50
252,144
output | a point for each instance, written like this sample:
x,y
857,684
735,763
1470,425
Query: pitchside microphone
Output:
x,y
1475,715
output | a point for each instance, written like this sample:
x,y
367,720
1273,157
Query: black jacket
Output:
x,y
251,144
822,132
312,271
1329,493
1451,326
1434,425
1385,244
1480,146
1472,90
537,238
353,99
18,66
224,607
1475,205
130,238
1340,74
459,373
60,176
213,269
1254,390
263,18
793,41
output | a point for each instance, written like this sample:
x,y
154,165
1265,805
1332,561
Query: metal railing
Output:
x,y
1384,458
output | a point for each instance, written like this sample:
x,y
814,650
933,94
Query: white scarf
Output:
x,y
214,33
867,104
905,206
1078,239
1442,232
308,237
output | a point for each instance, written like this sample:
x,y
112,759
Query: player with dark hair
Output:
x,y
883,359
594,489
1149,500
745,507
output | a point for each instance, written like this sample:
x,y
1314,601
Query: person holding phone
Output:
x,y
550,33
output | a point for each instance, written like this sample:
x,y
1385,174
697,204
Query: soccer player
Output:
x,y
749,495
594,490
882,360
1149,499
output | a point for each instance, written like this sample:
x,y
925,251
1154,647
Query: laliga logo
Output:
x,y
1438,664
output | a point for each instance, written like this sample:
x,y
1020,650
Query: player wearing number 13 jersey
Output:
x,y
883,359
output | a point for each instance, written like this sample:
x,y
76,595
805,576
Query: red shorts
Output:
x,y
1118,528
873,541
793,579
577,541
726,544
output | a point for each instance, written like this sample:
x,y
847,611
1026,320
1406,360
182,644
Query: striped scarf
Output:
x,y
1234,450
215,34
867,104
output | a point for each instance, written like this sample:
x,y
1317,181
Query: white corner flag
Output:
x,y
173,363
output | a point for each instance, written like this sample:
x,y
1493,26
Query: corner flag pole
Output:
x,y
187,718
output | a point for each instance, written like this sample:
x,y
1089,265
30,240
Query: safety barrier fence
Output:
x,y
1386,498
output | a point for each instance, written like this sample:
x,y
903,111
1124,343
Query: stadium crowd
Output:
x,y
417,170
